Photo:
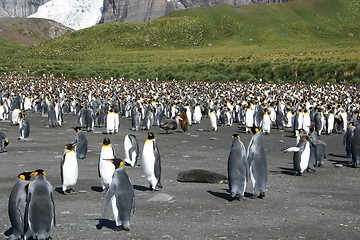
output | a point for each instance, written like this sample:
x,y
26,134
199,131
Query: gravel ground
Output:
x,y
320,205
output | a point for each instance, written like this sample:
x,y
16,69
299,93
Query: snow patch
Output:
x,y
76,14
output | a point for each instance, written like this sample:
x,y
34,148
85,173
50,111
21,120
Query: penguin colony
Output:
x,y
309,110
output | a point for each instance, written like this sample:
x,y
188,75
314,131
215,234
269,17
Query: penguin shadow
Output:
x,y
105,223
141,188
337,155
96,189
8,232
344,163
59,190
288,171
227,195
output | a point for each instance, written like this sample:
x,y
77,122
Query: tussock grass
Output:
x,y
310,41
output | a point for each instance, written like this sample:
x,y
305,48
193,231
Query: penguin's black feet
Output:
x,y
69,191
121,228
159,185
298,174
262,195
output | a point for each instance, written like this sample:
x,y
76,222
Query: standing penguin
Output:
x,y
213,120
81,143
121,197
197,114
301,154
347,139
17,203
106,167
256,158
135,119
355,147
24,127
151,162
40,207
69,169
131,149
238,168
4,141
266,122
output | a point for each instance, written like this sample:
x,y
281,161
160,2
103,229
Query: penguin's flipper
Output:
x,y
292,149
61,169
52,200
157,169
26,216
107,199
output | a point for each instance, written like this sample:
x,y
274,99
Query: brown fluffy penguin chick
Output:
x,y
184,123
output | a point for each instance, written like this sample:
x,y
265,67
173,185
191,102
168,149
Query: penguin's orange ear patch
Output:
x,y
121,164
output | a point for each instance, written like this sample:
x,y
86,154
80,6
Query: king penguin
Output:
x,y
151,162
69,169
355,147
17,203
301,154
121,197
24,126
40,207
106,167
81,143
131,149
213,120
238,168
256,158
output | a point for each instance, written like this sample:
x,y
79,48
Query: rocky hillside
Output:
x,y
30,31
112,10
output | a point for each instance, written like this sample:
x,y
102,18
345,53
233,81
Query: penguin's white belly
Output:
x,y
70,170
197,115
148,162
304,160
266,124
110,122
127,146
249,119
115,211
213,122
106,169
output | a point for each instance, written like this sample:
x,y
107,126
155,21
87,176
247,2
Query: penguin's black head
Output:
x,y
151,135
235,136
25,175
70,146
106,141
254,130
77,129
118,162
38,172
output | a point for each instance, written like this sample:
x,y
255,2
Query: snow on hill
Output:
x,y
76,14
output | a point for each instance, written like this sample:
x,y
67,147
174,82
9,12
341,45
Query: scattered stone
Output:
x,y
161,197
338,165
213,138
194,135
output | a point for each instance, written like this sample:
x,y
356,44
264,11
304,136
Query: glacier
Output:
x,y
75,14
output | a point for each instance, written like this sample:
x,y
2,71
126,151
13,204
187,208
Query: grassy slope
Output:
x,y
198,43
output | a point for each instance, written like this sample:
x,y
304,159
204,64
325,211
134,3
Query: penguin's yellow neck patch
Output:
x,y
106,146
148,141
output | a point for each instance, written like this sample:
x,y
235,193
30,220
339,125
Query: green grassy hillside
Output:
x,y
296,41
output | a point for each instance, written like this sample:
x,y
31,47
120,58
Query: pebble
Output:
x,y
161,197
338,165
